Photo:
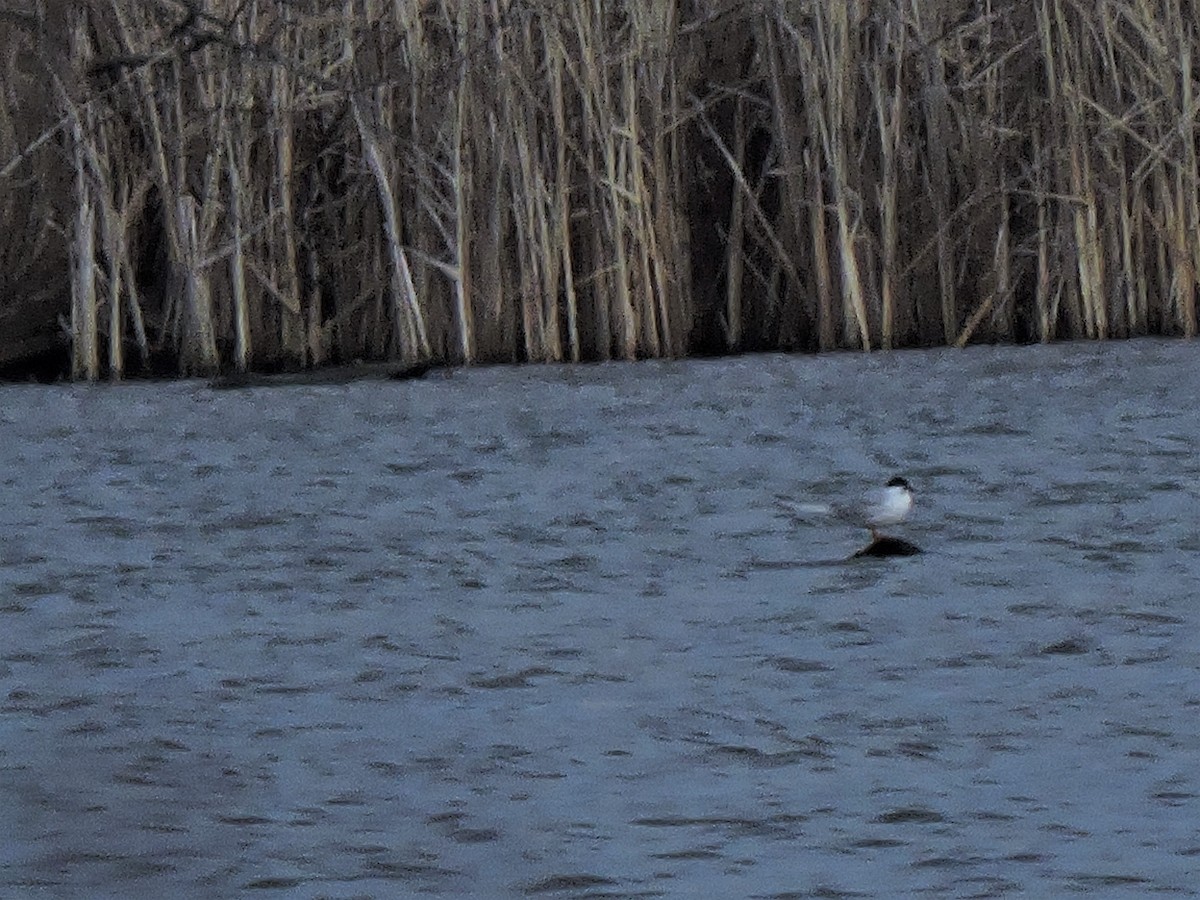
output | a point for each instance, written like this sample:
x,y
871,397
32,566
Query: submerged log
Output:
x,y
382,371
883,547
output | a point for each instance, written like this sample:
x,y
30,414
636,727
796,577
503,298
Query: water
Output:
x,y
553,632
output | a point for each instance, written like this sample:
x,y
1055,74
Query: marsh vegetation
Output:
x,y
233,184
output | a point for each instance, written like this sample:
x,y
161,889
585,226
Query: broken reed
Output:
x,y
276,182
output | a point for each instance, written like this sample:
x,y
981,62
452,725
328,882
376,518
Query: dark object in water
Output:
x,y
883,546
326,375
416,370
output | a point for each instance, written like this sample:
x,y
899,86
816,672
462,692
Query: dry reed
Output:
x,y
236,184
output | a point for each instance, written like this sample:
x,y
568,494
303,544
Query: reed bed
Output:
x,y
236,184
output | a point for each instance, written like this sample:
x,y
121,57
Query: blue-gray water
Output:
x,y
553,632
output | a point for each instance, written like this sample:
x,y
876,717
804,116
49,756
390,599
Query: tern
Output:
x,y
889,505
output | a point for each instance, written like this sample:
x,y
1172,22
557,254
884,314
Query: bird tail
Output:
x,y
804,511
812,509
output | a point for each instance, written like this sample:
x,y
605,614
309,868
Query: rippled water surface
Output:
x,y
559,632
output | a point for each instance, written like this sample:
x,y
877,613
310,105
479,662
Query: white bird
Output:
x,y
891,506
885,506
